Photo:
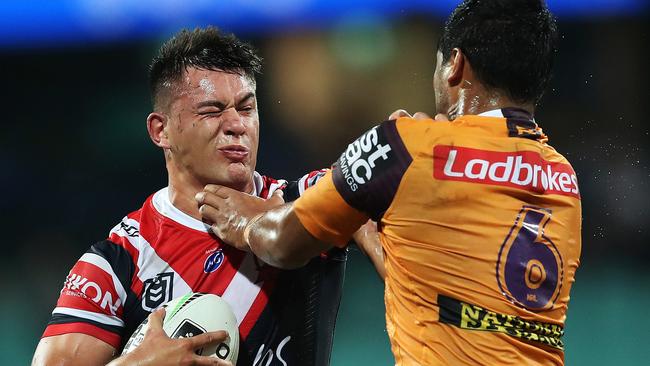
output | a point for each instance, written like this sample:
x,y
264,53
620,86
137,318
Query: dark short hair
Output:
x,y
203,48
510,44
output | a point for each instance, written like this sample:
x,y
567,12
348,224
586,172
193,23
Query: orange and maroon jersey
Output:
x,y
480,223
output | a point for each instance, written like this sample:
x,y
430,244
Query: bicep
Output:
x,y
360,185
73,349
91,302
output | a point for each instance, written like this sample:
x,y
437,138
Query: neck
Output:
x,y
183,188
182,192
473,100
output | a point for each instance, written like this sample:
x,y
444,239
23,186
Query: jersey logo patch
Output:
x,y
157,291
525,170
130,230
361,157
213,261
472,317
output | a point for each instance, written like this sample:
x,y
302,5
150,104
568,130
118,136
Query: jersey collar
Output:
x,y
520,123
164,206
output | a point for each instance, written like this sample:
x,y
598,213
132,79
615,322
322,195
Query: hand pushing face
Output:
x,y
229,211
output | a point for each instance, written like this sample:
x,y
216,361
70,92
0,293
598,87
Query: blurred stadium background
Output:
x,y
76,156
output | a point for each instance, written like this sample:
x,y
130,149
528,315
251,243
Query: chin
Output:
x,y
239,177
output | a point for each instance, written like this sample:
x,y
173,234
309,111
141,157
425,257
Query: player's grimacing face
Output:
x,y
213,128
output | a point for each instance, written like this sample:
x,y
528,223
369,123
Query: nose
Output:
x,y
233,123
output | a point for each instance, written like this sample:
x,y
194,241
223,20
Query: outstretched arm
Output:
x,y
360,185
268,228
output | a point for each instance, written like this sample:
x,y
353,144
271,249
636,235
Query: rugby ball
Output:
x,y
193,314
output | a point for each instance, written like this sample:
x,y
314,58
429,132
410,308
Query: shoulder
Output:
x,y
128,231
265,185
292,189
415,133
129,225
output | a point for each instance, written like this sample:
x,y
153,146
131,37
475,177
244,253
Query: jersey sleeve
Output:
x,y
361,185
93,295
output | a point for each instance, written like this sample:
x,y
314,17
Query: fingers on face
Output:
x,y
209,213
218,190
211,199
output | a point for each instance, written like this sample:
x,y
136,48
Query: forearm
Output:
x,y
279,239
72,349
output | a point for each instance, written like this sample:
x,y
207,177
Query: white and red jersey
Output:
x,y
158,253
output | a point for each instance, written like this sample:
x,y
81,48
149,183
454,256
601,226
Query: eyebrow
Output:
x,y
210,103
218,104
246,97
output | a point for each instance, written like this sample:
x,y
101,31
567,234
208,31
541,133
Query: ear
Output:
x,y
456,67
156,126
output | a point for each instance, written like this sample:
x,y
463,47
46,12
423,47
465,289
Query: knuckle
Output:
x,y
185,344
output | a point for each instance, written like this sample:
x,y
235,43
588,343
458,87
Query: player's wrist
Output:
x,y
246,235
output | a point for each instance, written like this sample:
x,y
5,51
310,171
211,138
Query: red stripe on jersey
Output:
x,y
268,182
218,281
185,262
111,338
90,288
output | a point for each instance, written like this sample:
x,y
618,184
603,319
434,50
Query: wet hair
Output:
x,y
203,48
510,44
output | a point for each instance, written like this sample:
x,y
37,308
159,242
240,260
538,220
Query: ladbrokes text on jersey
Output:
x,y
519,169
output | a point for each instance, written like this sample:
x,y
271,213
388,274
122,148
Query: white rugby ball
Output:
x,y
193,314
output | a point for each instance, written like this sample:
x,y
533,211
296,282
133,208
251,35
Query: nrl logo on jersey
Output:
x,y
157,291
361,157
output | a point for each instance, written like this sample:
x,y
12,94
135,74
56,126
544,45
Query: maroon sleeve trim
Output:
x,y
370,170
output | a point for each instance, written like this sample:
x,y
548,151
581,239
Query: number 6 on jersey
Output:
x,y
529,267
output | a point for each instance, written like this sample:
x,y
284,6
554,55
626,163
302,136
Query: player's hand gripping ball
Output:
x,y
194,314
